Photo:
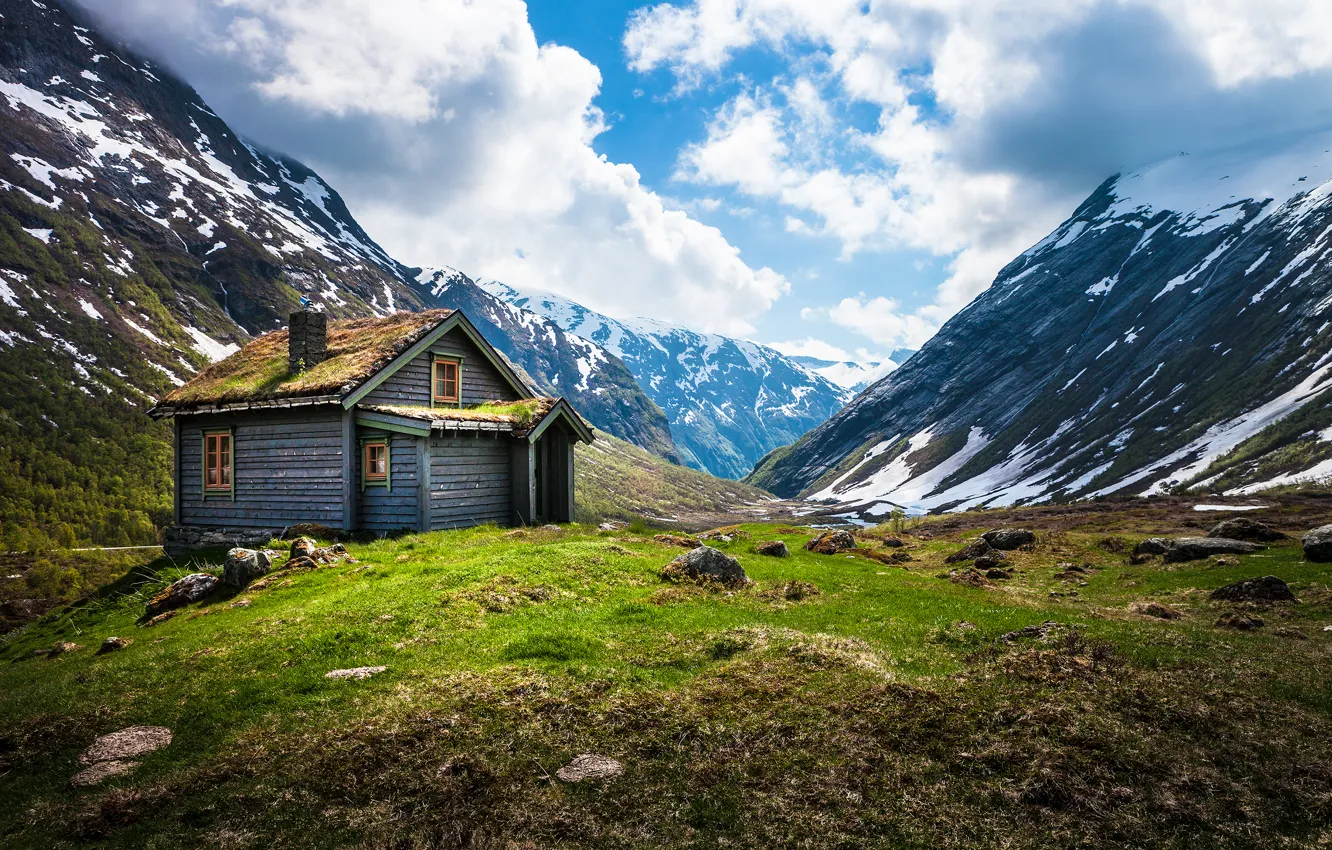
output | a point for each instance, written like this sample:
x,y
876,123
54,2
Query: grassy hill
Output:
x,y
839,702
618,480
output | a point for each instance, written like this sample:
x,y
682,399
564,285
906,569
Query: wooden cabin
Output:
x,y
409,421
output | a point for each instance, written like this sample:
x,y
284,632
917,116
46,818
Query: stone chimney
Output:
x,y
307,340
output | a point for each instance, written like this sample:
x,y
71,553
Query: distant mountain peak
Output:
x,y
729,401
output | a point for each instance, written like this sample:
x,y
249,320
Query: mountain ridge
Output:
x,y
1110,373
728,401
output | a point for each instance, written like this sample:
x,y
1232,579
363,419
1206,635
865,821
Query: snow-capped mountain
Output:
x,y
854,375
141,239
595,380
728,401
1173,331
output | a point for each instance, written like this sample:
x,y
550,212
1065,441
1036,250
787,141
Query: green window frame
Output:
x,y
372,480
217,452
436,380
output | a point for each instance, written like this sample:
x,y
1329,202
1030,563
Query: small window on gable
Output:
x,y
217,461
376,461
446,381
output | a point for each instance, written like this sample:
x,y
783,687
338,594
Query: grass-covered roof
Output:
x,y
357,349
520,414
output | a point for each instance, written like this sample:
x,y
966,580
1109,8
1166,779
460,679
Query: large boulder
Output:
x,y
303,547
1243,528
1263,589
973,550
708,564
1318,544
831,542
1008,539
773,548
182,592
244,566
1152,546
1198,548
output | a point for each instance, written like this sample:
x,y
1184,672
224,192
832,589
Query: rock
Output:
x,y
302,547
612,526
126,744
1152,546
60,647
312,529
1243,622
1318,544
113,644
1264,589
678,540
159,619
102,771
1040,630
355,672
893,542
996,573
773,548
1244,528
973,550
589,766
725,535
831,542
244,566
1008,539
181,592
550,527
1155,609
990,560
1198,548
707,564
304,562
970,578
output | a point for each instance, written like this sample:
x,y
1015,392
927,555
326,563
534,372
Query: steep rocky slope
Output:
x,y
1173,331
139,240
729,401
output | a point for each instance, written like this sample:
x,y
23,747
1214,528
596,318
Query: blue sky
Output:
x,y
651,120
835,176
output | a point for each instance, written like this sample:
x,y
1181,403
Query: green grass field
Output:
x,y
881,709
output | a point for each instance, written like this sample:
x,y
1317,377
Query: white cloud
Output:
x,y
456,139
994,118
811,347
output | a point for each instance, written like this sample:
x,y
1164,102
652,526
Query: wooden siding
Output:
x,y
397,507
471,481
410,385
286,468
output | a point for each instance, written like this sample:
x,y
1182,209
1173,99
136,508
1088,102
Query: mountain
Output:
x,y
140,239
1172,333
596,381
728,401
854,375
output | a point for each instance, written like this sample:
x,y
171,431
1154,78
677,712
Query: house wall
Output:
x,y
410,385
471,480
286,468
397,506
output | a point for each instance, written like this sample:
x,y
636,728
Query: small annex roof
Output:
x,y
527,418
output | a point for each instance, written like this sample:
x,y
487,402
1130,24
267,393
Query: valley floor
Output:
x,y
839,701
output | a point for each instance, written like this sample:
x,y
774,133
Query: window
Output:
x,y
376,461
217,462
446,381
